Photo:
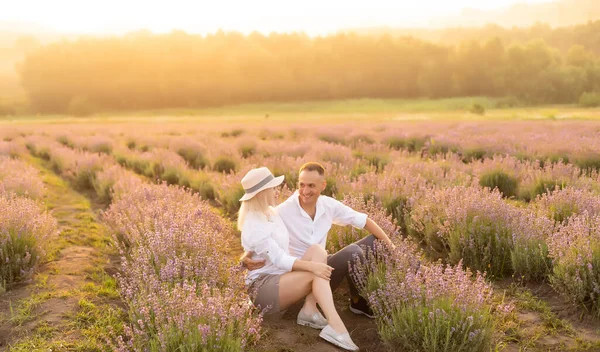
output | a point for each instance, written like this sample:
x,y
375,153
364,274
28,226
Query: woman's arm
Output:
x,y
321,270
266,246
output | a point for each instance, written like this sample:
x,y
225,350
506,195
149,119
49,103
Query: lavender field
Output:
x,y
119,235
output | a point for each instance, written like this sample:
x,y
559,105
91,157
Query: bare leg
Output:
x,y
318,254
296,285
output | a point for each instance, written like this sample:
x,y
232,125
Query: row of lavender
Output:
x,y
25,227
176,276
181,287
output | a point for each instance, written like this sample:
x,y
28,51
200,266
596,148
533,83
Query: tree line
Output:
x,y
562,38
145,70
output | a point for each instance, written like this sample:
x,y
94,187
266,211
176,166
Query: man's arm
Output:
x,y
250,264
374,229
344,215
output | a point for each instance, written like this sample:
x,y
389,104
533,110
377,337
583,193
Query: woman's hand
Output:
x,y
321,270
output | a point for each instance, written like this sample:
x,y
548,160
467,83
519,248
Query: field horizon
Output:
x,y
351,110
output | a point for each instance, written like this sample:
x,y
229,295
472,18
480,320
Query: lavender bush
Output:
x,y
20,178
113,181
189,317
425,307
77,166
12,148
25,230
174,254
560,204
575,253
478,228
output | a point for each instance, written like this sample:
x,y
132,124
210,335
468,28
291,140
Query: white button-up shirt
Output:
x,y
304,231
268,238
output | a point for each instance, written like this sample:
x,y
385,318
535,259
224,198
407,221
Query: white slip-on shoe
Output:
x,y
315,321
341,340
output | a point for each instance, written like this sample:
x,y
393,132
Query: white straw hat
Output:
x,y
257,180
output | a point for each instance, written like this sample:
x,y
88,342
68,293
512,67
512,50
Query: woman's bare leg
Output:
x,y
296,285
291,291
314,253
321,291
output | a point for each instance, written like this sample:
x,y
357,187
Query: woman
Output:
x,y
285,280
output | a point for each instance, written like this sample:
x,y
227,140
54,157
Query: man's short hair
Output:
x,y
313,166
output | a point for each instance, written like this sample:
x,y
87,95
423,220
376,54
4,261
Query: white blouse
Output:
x,y
268,239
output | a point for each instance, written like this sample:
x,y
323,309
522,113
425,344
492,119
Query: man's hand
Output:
x,y
391,246
249,263
376,231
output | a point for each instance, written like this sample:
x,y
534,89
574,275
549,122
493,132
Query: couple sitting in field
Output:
x,y
285,249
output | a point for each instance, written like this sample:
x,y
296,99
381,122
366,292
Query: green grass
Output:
x,y
25,309
96,323
526,300
102,284
328,111
73,211
342,106
95,317
527,335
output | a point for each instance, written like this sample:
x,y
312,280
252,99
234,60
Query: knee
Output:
x,y
368,241
318,251
354,251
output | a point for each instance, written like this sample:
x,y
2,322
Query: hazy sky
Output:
x,y
311,16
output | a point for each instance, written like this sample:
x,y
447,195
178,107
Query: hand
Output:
x,y
251,264
391,246
321,270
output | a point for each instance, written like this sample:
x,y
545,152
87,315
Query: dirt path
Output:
x,y
546,321
71,302
284,335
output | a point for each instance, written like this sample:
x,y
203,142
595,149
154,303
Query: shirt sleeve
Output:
x,y
263,244
344,215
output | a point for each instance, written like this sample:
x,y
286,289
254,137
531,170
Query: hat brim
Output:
x,y
274,183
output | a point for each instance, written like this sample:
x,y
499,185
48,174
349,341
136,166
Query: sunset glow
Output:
x,y
311,16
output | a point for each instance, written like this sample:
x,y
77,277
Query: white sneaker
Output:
x,y
341,340
315,321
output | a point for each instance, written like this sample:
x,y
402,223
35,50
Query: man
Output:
x,y
308,216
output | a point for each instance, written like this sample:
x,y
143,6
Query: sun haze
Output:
x,y
310,16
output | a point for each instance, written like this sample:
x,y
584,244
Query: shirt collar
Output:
x,y
319,211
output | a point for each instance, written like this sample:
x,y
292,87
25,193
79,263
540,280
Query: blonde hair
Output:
x,y
260,203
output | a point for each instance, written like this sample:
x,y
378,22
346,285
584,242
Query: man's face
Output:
x,y
310,186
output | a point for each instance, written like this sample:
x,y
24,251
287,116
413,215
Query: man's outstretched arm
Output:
x,y
374,229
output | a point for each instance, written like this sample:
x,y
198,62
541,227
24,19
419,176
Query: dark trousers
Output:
x,y
340,260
